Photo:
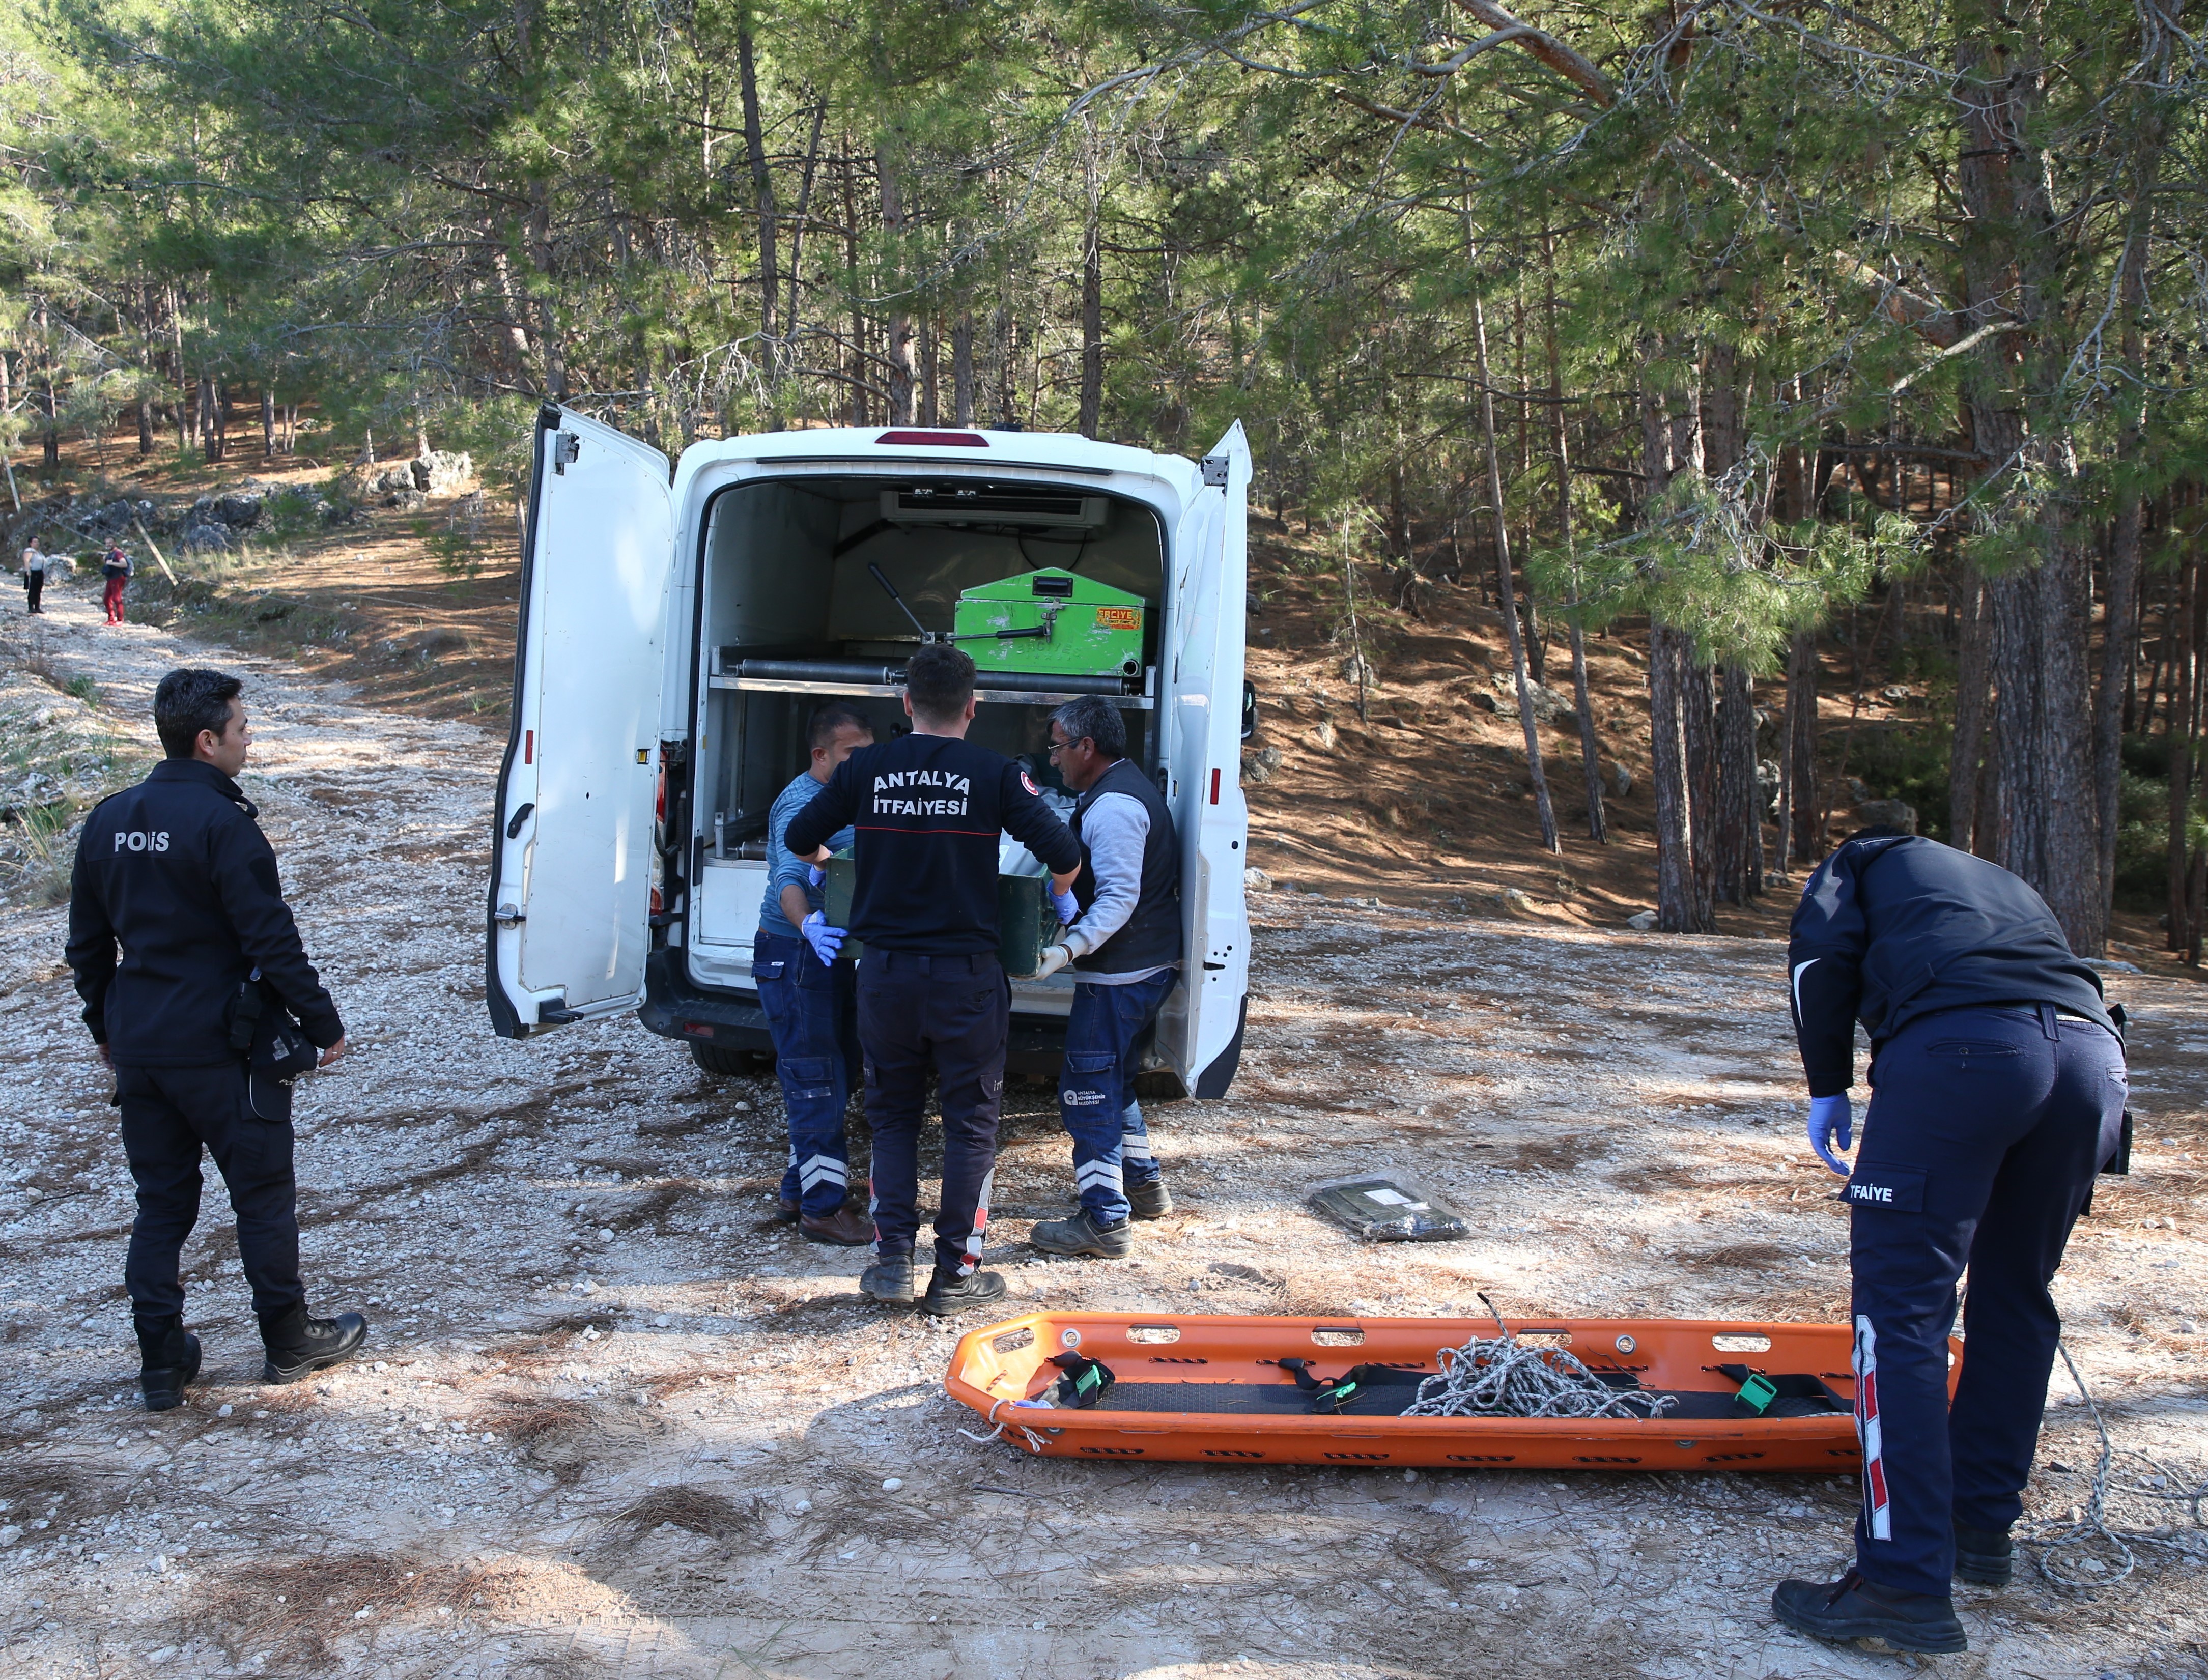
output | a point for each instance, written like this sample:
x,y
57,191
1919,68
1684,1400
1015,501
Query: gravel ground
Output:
x,y
613,1420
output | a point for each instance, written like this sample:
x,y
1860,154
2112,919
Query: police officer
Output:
x,y
1997,1093
927,808
810,1000
1123,943
177,872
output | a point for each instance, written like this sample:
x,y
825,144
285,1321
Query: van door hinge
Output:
x,y
565,445
508,915
1215,472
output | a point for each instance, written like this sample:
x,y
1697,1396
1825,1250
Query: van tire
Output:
x,y
729,1064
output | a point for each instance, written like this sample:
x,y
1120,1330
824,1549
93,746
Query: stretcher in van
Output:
x,y
678,632
1221,1389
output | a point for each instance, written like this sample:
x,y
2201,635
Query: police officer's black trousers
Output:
x,y
168,1115
948,1014
1985,1130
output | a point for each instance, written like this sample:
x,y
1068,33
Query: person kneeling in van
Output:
x,y
1123,946
811,1000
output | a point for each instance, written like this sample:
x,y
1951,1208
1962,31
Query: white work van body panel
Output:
x,y
1202,512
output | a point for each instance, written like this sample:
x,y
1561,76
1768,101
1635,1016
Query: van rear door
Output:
x,y
1200,1030
571,881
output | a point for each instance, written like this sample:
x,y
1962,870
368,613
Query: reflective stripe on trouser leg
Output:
x,y
1878,1517
975,1238
1138,1165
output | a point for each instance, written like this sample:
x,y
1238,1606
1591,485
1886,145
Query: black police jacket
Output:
x,y
1892,927
177,872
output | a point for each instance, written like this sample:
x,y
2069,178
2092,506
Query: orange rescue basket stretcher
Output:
x,y
1207,1389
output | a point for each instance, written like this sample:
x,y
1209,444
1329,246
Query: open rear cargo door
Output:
x,y
570,907
1200,1030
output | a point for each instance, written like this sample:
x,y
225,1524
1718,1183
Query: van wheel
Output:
x,y
729,1064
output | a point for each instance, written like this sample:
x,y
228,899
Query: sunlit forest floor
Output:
x,y
614,1420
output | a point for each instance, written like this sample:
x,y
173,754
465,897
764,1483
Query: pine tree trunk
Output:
x,y
962,368
2183,674
929,384
1805,802
1740,818
803,208
1530,724
268,425
1966,747
2043,699
1560,450
145,426
899,325
1092,320
1698,704
762,193
1677,910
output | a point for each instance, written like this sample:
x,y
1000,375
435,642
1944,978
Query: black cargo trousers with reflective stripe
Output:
x,y
948,1015
1985,1130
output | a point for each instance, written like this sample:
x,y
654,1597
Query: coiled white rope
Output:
x,y
2042,1540
1502,1377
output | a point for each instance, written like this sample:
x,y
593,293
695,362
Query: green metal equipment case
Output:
x,y
1025,921
1052,622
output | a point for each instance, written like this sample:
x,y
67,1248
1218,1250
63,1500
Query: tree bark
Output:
x,y
1973,670
1805,798
268,425
962,368
2183,676
1739,873
1560,449
899,324
1507,589
804,208
762,193
2042,705
1092,319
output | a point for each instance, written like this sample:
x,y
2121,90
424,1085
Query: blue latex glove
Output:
x,y
825,941
1831,1117
1068,907
814,874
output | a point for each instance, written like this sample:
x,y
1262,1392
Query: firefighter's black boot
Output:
x,y
1852,1608
168,1359
889,1279
1150,1201
948,1293
1081,1234
297,1346
1984,1556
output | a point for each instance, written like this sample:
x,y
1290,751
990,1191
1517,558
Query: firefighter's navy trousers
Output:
x,y
948,1015
1985,1129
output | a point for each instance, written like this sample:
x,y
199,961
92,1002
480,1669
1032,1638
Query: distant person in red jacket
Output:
x,y
115,567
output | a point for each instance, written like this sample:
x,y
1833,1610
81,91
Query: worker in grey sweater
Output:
x,y
1123,943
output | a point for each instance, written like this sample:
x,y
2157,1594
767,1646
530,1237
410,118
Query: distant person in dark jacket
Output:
x,y
178,873
1997,1093
115,567
926,811
35,578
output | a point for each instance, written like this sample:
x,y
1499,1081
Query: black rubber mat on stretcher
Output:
x,y
1285,1400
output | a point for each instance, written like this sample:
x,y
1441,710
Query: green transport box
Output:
x,y
1052,623
1025,920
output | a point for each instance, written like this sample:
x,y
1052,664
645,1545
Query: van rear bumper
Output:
x,y
675,1006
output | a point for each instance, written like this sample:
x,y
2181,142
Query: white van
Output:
x,y
674,643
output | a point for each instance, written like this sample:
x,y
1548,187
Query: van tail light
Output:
x,y
1215,787
659,901
659,796
529,746
956,440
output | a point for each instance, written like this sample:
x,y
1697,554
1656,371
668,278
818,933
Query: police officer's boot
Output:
x,y
1984,1556
297,1346
168,1359
1852,1608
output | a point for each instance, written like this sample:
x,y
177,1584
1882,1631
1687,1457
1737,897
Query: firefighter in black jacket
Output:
x,y
927,808
1998,1090
177,872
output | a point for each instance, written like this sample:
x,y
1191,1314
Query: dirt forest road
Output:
x,y
613,1421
